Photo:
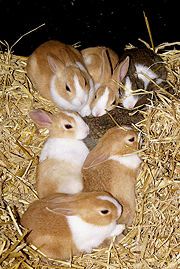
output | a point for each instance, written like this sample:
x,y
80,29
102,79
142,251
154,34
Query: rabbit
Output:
x,y
113,166
144,64
63,154
63,225
100,62
106,71
99,125
58,72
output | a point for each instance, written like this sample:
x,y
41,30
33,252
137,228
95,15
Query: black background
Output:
x,y
112,23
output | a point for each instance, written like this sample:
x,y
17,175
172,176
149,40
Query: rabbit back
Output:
x,y
116,179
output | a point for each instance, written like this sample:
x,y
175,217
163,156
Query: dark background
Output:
x,y
112,23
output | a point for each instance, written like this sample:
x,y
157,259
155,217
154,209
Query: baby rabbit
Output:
x,y
63,153
113,166
144,65
103,65
58,72
62,225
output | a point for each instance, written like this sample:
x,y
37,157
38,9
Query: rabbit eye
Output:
x,y
95,96
113,103
68,89
104,211
68,126
132,139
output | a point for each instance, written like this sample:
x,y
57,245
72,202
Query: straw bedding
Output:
x,y
152,241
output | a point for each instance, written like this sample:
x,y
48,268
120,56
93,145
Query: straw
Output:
x,y
153,239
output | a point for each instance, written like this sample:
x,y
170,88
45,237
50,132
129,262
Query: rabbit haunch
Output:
x,y
62,225
63,154
144,66
58,72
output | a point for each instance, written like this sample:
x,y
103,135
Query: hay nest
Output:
x,y
152,240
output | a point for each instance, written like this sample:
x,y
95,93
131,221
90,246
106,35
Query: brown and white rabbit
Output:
x,y
63,154
58,72
62,225
144,65
113,166
106,71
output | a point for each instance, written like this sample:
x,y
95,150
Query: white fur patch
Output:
x,y
159,80
82,129
141,70
60,101
118,230
65,149
129,100
113,201
70,185
128,86
88,60
101,104
81,96
87,236
85,110
131,161
97,85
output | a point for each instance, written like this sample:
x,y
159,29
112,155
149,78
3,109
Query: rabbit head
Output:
x,y
71,82
117,141
98,208
65,124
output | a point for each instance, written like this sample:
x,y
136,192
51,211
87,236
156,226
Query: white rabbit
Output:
x,y
63,154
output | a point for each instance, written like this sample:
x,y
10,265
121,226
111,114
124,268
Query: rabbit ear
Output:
x,y
63,205
121,70
55,63
61,210
106,66
96,156
41,118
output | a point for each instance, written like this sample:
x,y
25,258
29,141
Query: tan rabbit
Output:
x,y
63,154
63,225
106,71
113,166
58,72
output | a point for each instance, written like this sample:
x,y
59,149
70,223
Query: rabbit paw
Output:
x,y
118,229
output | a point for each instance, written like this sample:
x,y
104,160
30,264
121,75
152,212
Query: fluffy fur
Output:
x,y
63,225
113,166
58,72
103,65
144,65
63,154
